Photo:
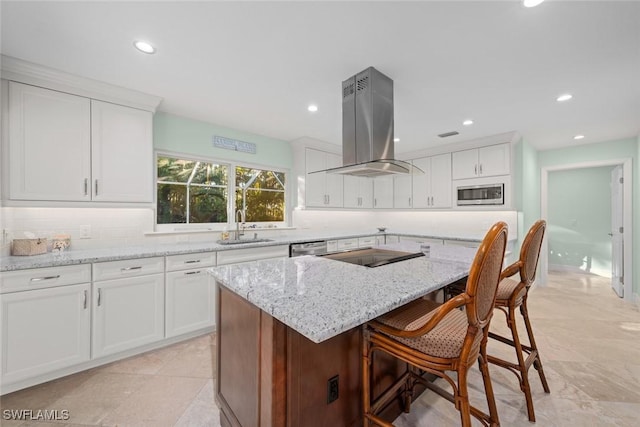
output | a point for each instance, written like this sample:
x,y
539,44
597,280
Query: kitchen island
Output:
x,y
288,342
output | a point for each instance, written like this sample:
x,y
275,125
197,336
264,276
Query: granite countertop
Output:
x,y
72,257
321,298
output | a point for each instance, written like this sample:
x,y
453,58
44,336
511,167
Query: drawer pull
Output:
x,y
131,268
39,279
193,272
193,261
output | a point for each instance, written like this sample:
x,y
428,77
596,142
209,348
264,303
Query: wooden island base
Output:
x,y
269,375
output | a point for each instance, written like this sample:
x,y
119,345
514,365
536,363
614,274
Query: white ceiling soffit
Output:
x,y
256,66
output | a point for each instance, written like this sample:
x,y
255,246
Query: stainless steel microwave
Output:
x,y
488,194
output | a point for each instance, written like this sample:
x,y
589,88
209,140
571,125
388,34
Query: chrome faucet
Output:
x,y
242,215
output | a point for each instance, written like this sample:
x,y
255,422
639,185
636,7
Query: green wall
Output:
x,y
620,149
193,137
579,219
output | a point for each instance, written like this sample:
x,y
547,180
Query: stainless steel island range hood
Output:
x,y
367,127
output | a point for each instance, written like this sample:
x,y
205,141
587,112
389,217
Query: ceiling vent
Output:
x,y
447,134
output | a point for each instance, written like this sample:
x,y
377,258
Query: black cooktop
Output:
x,y
372,257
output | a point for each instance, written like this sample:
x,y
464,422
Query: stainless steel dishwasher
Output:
x,y
308,248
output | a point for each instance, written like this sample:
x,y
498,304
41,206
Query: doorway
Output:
x,y
622,255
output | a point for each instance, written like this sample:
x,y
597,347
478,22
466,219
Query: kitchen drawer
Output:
x,y
127,268
251,254
38,278
332,246
345,244
366,242
421,240
187,261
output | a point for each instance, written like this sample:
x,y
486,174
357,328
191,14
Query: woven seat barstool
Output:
x,y
513,294
439,338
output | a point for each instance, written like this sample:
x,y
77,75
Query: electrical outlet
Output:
x,y
85,231
332,389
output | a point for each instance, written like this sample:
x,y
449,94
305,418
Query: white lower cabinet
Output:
x,y
44,330
190,302
128,313
189,293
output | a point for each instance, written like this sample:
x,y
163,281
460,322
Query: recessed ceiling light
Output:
x,y
396,139
312,108
531,3
467,122
145,47
564,97
578,137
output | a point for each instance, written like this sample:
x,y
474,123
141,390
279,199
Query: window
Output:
x,y
260,194
191,191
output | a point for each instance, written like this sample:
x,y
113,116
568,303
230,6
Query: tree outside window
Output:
x,y
260,193
191,191
197,192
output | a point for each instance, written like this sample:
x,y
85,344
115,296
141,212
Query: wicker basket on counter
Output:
x,y
28,246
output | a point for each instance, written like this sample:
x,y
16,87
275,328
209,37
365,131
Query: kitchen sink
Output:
x,y
242,241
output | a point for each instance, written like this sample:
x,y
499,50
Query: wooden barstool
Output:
x,y
438,338
513,294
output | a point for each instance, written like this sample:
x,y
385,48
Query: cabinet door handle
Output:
x,y
84,303
96,187
328,199
193,272
86,186
131,268
409,201
192,261
375,202
480,168
475,170
99,297
40,279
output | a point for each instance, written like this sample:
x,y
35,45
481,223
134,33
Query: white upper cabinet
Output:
x,y
433,189
479,162
383,192
440,181
322,189
122,153
358,192
402,191
49,144
65,147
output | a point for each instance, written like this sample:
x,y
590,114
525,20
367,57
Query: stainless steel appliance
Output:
x,y
488,194
308,248
367,127
372,257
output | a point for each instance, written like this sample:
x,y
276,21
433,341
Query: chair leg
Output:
x,y
462,398
488,388
524,379
537,362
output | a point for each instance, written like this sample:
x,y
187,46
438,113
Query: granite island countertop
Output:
x,y
321,298
87,256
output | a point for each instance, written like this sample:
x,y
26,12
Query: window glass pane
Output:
x,y
210,174
174,170
207,204
172,203
256,178
262,205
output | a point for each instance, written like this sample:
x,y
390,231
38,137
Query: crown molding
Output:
x,y
18,70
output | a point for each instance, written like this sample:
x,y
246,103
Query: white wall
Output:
x,y
462,224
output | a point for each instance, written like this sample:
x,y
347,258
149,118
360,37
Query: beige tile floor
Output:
x,y
589,341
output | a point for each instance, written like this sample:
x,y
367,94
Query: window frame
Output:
x,y
231,194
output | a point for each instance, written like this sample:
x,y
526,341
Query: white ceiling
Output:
x,y
255,66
